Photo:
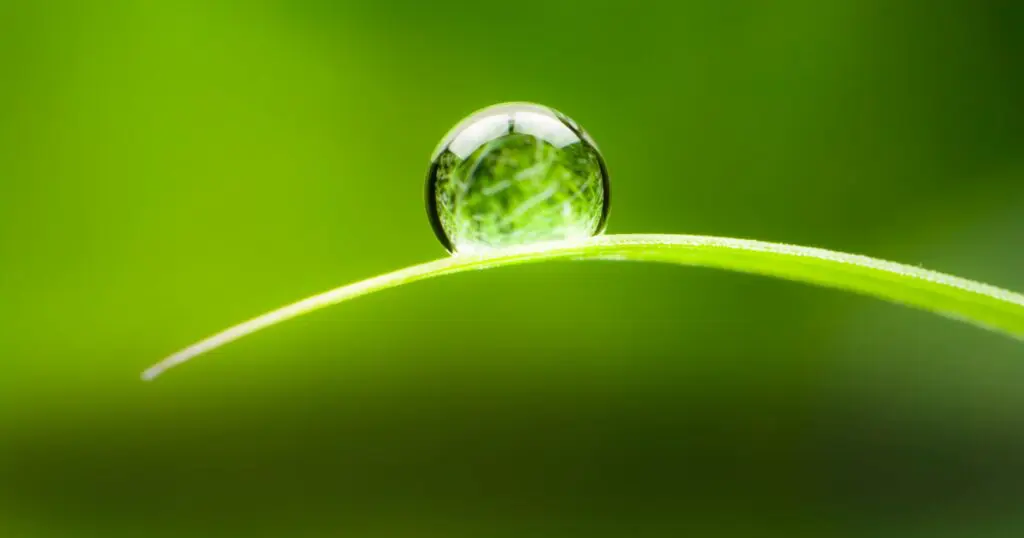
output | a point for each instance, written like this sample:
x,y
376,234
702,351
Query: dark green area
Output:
x,y
170,168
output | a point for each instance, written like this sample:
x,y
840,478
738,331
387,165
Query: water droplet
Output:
x,y
513,174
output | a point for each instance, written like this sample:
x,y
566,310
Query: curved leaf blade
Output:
x,y
980,304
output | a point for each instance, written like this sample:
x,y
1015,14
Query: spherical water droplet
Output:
x,y
514,174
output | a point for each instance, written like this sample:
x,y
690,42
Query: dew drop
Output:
x,y
514,174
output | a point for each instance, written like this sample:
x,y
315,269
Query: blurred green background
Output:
x,y
170,168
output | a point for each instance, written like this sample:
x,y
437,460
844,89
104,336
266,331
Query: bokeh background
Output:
x,y
170,168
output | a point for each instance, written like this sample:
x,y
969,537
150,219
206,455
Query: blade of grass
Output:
x,y
972,302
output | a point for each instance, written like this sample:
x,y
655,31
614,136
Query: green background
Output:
x,y
170,168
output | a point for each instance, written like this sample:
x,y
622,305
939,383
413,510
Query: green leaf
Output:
x,y
972,302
